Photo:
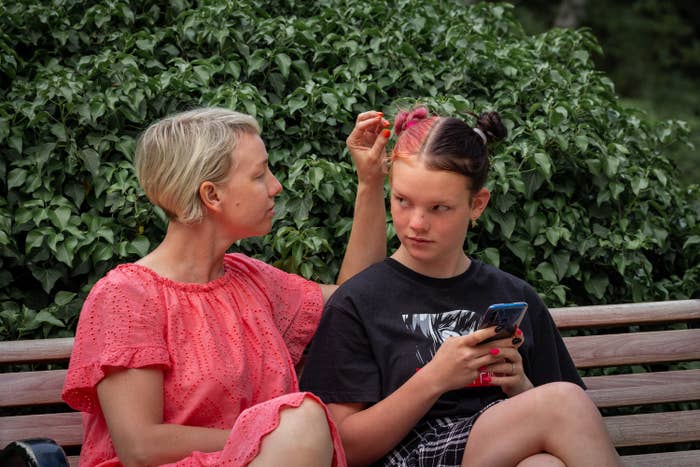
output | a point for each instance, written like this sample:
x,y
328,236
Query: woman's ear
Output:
x,y
209,195
479,202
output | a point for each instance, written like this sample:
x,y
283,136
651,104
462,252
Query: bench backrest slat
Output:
x,y
634,348
654,428
64,428
31,388
36,351
644,388
625,314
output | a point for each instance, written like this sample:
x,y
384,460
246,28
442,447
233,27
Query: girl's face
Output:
x,y
245,201
431,210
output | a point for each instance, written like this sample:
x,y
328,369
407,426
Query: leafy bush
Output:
x,y
585,205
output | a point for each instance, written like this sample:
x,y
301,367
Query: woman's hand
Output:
x,y
367,144
508,372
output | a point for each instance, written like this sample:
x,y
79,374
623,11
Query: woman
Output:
x,y
187,355
398,356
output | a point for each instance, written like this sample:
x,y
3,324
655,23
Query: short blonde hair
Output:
x,y
175,155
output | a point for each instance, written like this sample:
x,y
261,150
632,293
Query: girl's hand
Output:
x,y
459,360
367,144
509,373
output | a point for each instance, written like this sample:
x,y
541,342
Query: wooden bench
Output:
x,y
39,391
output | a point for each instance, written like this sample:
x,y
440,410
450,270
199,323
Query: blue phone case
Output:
x,y
505,316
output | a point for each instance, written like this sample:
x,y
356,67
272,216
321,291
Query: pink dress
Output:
x,y
227,349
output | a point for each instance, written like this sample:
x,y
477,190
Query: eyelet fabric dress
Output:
x,y
227,349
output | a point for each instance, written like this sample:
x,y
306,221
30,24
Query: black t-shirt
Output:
x,y
385,323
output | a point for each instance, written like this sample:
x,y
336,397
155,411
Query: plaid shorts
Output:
x,y
434,443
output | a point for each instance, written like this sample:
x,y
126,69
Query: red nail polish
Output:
x,y
486,379
386,133
519,332
494,351
483,368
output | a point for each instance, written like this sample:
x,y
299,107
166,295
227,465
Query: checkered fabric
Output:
x,y
434,443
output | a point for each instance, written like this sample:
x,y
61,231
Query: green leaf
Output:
x,y
330,100
102,253
46,277
45,317
560,263
284,63
639,184
63,298
92,161
692,240
296,103
257,61
544,164
522,249
140,245
597,285
16,178
581,143
60,216
546,271
491,256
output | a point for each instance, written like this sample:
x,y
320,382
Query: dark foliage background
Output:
x,y
586,203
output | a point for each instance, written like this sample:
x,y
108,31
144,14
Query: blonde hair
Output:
x,y
175,155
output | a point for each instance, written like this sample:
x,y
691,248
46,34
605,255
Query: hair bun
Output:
x,y
490,124
405,120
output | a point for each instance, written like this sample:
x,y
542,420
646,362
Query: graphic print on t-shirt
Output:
x,y
435,328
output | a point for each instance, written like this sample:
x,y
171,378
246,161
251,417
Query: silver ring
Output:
x,y
512,368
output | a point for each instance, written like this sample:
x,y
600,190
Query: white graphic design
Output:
x,y
437,327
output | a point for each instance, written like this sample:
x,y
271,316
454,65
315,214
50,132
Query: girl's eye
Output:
x,y
441,208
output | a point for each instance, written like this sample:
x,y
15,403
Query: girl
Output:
x,y
187,355
398,357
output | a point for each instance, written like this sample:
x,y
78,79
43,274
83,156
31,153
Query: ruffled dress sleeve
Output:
x,y
122,324
296,303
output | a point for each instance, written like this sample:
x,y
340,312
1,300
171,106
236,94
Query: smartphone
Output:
x,y
505,316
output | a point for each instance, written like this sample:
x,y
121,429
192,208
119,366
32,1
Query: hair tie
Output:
x,y
480,133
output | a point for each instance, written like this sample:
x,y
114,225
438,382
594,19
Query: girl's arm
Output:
x,y
132,403
370,432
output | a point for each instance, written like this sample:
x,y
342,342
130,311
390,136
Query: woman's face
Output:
x,y
431,210
247,196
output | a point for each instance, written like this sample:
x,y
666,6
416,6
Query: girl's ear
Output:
x,y
479,202
209,195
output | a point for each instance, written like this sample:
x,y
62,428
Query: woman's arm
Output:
x,y
367,243
368,433
132,403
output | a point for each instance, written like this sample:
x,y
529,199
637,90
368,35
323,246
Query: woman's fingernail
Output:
x,y
516,341
519,332
486,379
386,122
483,368
380,114
386,133
494,351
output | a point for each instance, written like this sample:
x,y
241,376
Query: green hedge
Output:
x,y
585,204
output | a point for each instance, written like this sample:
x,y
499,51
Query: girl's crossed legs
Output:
x,y
551,425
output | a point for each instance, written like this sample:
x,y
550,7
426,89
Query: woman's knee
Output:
x,y
309,418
